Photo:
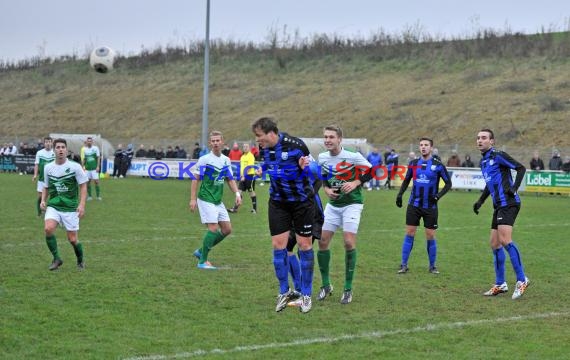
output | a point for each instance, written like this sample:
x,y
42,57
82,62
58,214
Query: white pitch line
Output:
x,y
366,335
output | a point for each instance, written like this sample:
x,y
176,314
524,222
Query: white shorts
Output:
x,y
92,174
69,220
347,217
40,186
211,213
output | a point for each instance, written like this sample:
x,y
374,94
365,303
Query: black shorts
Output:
x,y
505,216
414,214
316,235
247,185
299,214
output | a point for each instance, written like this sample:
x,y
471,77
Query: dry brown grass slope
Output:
x,y
525,102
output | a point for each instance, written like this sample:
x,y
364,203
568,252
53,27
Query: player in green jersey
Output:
x,y
43,157
346,172
206,193
65,185
92,166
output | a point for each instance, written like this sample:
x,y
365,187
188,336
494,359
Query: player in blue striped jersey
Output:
x,y
496,167
294,265
291,201
426,173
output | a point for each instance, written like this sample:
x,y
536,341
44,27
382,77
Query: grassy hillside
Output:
x,y
388,100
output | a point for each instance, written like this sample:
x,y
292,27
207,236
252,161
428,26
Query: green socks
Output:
x,y
350,262
324,259
52,246
89,189
38,206
78,248
219,238
207,245
97,191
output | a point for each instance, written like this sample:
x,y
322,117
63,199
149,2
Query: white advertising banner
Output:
x,y
466,178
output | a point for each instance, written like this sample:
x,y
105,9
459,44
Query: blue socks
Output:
x,y
516,260
432,252
281,269
407,248
295,271
499,262
307,263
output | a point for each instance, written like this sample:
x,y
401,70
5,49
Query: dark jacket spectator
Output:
x,y
126,160
117,160
536,162
566,164
226,150
181,153
555,162
170,154
468,162
151,153
196,152
159,154
141,152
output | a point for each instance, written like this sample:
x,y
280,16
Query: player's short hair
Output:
x,y
337,129
48,138
216,133
266,124
60,140
491,134
427,139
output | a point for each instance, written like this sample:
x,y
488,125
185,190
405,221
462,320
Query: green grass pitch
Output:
x,y
141,295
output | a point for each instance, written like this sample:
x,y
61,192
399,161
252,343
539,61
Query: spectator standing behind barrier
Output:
x,y
468,162
141,152
196,151
454,160
375,159
235,156
126,160
536,162
391,162
151,153
117,161
40,145
11,153
411,157
556,161
225,150
235,153
435,154
566,164
170,154
159,154
181,153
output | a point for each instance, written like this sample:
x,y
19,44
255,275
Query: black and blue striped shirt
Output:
x,y
496,167
426,175
288,181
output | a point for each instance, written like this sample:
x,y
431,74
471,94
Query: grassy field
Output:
x,y
141,295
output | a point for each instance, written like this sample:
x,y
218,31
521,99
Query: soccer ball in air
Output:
x,y
102,59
